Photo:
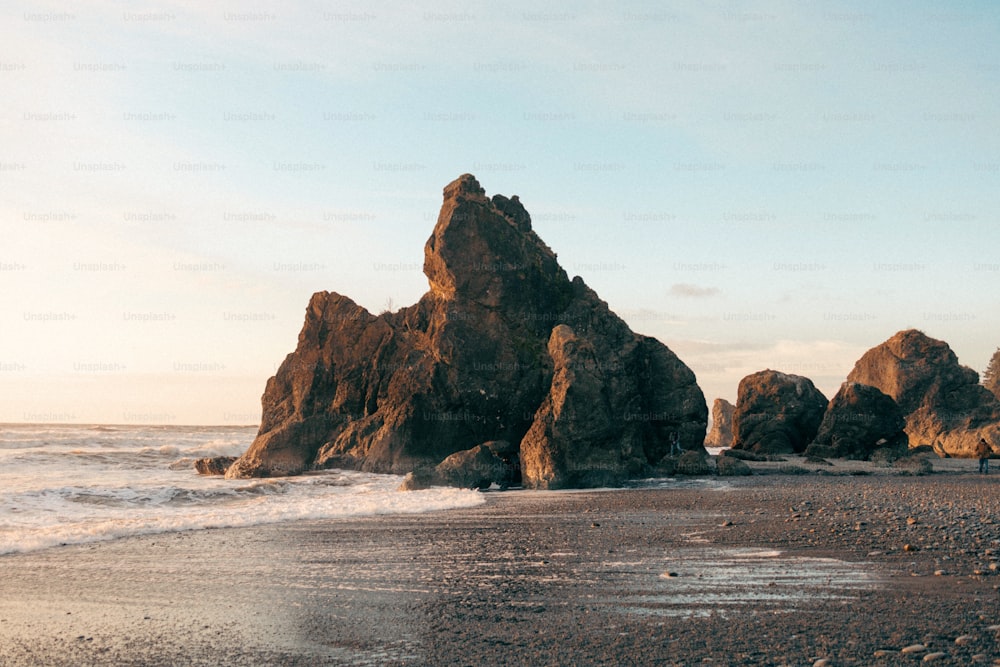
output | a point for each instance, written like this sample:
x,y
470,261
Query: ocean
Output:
x,y
71,484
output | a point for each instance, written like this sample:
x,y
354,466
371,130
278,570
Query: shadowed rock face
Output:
x,y
942,401
776,413
721,433
859,420
474,361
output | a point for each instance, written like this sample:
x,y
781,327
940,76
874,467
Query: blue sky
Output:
x,y
757,184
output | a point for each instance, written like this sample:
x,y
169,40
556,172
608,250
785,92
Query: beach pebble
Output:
x,y
909,547
882,653
939,573
931,657
914,648
822,662
964,639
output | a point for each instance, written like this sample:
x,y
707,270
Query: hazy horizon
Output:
x,y
758,185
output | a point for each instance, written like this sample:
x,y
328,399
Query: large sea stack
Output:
x,y
721,433
776,413
504,347
942,401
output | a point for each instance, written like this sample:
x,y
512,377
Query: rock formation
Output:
x,y
504,347
859,420
480,466
730,466
776,413
943,403
721,432
214,465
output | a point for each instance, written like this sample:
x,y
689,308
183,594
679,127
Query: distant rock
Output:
x,y
693,463
730,466
721,432
776,413
419,479
942,401
214,465
480,467
476,360
859,420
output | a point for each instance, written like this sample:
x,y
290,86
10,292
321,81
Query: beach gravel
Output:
x,y
761,570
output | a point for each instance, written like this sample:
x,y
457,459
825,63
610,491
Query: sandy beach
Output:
x,y
765,570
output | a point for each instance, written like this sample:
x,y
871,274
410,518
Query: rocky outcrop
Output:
x,y
730,466
478,468
859,420
601,423
776,413
214,465
504,347
721,432
942,401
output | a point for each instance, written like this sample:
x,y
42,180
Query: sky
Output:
x,y
757,184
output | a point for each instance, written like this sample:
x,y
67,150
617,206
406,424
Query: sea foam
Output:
x,y
70,485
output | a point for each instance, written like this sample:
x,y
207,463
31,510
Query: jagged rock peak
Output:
x,y
465,186
503,348
484,250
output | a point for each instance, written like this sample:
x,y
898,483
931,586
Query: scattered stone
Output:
x,y
822,662
884,653
937,655
964,639
914,648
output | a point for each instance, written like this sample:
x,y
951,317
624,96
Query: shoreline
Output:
x,y
769,569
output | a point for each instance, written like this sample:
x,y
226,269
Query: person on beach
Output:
x,y
983,451
675,444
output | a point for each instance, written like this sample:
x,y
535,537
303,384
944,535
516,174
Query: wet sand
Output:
x,y
765,570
